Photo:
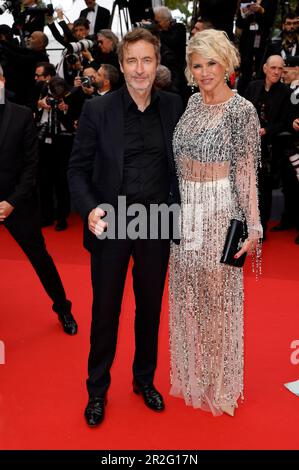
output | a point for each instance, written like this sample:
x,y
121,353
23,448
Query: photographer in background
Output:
x,y
289,158
286,44
98,82
105,52
59,109
173,46
20,63
88,83
77,42
74,59
97,16
26,22
253,27
43,74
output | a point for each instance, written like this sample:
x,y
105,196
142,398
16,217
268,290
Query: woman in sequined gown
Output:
x,y
216,145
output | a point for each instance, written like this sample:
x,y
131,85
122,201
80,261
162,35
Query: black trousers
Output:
x,y
24,226
54,191
108,269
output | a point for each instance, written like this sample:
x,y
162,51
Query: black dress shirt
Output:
x,y
1,113
262,107
145,175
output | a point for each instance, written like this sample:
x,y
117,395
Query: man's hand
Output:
x,y
5,210
77,82
63,106
88,90
87,55
95,223
256,8
59,12
296,125
263,131
42,104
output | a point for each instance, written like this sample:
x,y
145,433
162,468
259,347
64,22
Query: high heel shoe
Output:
x,y
228,409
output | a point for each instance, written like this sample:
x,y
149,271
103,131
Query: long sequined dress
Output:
x,y
217,154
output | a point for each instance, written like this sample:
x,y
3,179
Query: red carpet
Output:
x,y
42,383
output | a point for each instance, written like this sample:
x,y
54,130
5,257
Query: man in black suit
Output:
x,y
271,99
220,13
123,148
19,201
28,22
97,16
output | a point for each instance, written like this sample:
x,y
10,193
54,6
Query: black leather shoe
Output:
x,y
69,324
64,311
95,411
61,225
152,398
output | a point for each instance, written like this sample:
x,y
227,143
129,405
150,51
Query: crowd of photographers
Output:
x,y
89,68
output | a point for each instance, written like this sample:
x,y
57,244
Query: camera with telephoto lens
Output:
x,y
72,59
86,82
79,46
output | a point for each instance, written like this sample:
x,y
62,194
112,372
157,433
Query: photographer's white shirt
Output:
x,y
91,16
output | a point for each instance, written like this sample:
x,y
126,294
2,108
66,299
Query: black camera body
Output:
x,y
72,59
86,82
53,102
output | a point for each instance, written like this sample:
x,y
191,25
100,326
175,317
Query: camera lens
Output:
x,y
71,59
86,82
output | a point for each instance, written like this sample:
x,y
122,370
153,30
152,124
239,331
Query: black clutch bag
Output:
x,y
236,234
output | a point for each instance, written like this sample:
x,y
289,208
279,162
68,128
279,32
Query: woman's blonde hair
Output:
x,y
212,44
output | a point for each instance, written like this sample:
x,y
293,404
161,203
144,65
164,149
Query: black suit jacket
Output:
x,y
18,155
279,105
102,19
96,165
28,23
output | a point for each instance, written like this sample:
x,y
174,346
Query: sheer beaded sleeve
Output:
x,y
247,158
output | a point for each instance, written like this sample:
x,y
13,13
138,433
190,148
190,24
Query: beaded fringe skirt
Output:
x,y
206,302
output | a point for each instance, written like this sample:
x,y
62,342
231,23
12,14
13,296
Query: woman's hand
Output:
x,y
248,246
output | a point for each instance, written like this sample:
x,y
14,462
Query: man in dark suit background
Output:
x,y
271,99
97,16
28,22
123,147
19,201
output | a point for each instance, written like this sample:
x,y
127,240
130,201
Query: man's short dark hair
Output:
x,y
138,34
290,16
49,69
59,87
81,22
111,73
6,31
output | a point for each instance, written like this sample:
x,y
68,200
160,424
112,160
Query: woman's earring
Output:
x,y
193,85
226,77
